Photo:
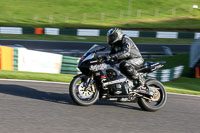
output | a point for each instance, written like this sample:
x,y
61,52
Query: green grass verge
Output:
x,y
94,39
184,85
36,76
147,14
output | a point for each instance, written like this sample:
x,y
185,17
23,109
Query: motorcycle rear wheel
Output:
x,y
81,96
158,100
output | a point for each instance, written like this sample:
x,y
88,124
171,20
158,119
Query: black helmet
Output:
x,y
114,35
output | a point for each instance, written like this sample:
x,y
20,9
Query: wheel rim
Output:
x,y
84,94
158,96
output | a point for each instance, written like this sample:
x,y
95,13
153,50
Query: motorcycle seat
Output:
x,y
149,65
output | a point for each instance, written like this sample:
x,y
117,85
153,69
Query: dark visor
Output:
x,y
112,37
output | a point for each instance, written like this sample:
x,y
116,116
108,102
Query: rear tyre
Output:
x,y
80,95
158,100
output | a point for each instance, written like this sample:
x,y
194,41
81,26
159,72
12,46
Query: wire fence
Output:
x,y
137,14
121,15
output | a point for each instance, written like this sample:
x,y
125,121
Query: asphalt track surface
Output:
x,y
29,107
70,48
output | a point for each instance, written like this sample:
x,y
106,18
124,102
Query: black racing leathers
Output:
x,y
127,53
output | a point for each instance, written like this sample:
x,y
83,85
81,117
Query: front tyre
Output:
x,y
81,95
159,98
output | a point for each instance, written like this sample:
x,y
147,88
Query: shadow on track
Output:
x,y
27,92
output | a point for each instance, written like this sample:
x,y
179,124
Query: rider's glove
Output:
x,y
105,57
101,57
112,56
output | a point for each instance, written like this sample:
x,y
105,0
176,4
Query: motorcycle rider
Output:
x,y
124,50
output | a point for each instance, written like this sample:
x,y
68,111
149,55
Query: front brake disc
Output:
x,y
84,92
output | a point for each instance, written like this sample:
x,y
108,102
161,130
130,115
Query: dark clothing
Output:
x,y
125,49
127,53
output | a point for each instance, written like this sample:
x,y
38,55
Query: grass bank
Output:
x,y
132,14
185,84
176,60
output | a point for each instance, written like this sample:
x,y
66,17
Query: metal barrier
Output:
x,y
166,75
15,59
69,65
96,32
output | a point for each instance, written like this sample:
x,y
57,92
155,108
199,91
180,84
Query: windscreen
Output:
x,y
94,48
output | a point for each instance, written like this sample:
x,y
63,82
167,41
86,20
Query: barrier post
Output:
x,y
197,72
38,31
6,58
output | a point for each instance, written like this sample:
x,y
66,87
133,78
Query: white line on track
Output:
x,y
49,82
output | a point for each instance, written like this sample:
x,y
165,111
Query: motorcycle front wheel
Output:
x,y
80,94
159,97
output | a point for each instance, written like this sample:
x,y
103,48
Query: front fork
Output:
x,y
90,83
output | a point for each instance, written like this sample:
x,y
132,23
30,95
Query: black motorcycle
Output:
x,y
101,79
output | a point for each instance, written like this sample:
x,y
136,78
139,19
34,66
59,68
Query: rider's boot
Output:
x,y
141,87
139,78
134,75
